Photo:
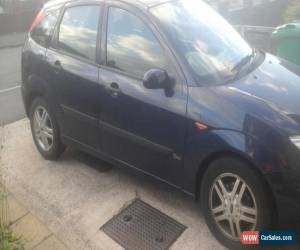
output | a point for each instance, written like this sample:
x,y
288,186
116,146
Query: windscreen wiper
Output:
x,y
244,61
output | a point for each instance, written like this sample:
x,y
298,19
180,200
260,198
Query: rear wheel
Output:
x,y
45,130
233,200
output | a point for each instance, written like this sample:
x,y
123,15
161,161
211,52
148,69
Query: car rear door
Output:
x,y
141,127
74,73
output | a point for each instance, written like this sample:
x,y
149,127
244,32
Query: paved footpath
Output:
x,y
34,234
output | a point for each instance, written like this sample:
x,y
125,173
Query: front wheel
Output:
x,y
234,200
45,130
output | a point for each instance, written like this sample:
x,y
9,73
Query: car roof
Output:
x,y
147,3
138,3
53,3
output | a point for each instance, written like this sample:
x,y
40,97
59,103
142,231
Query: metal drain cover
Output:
x,y
141,226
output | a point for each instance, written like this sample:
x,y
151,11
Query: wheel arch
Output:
x,y
205,163
34,86
29,99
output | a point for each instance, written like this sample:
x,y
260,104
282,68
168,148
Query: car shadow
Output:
x,y
156,188
89,160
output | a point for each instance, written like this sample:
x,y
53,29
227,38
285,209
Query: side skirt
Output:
x,y
101,155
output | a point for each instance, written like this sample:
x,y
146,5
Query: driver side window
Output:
x,y
131,45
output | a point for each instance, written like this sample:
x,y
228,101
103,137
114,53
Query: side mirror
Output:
x,y
156,79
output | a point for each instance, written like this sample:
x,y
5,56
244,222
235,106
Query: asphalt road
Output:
x,y
11,106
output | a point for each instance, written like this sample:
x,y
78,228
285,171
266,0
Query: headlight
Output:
x,y
296,141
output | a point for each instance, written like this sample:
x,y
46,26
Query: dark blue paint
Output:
x,y
249,118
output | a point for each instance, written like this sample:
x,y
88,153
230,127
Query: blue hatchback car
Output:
x,y
171,90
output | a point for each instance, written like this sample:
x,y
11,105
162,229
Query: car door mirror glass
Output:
x,y
156,79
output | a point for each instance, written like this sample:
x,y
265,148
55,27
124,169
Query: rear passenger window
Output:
x,y
78,31
43,31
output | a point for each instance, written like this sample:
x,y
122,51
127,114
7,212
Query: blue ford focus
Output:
x,y
171,90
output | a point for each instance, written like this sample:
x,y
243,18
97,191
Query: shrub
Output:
x,y
8,241
292,12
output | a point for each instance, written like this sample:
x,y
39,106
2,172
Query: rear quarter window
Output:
x,y
42,33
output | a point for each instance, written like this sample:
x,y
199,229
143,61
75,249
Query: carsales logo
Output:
x,y
250,238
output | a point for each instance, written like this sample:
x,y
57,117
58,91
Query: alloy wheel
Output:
x,y
233,205
43,128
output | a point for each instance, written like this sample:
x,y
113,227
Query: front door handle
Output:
x,y
114,90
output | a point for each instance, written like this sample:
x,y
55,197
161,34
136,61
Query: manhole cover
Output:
x,y
141,226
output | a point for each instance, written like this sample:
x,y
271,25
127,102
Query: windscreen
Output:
x,y
207,43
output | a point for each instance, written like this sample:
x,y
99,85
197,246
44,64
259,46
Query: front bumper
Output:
x,y
286,188
288,212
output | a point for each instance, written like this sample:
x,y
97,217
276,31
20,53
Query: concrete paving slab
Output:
x,y
51,243
74,199
15,209
33,232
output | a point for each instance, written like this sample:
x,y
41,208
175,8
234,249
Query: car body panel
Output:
x,y
147,133
75,84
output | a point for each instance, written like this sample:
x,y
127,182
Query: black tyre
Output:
x,y
233,200
45,130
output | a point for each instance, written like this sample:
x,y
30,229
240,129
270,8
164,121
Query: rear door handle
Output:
x,y
114,89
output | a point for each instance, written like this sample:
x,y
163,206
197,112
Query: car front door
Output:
x,y
74,73
141,127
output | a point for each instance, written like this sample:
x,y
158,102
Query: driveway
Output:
x,y
78,194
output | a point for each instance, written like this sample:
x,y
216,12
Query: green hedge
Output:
x,y
292,13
